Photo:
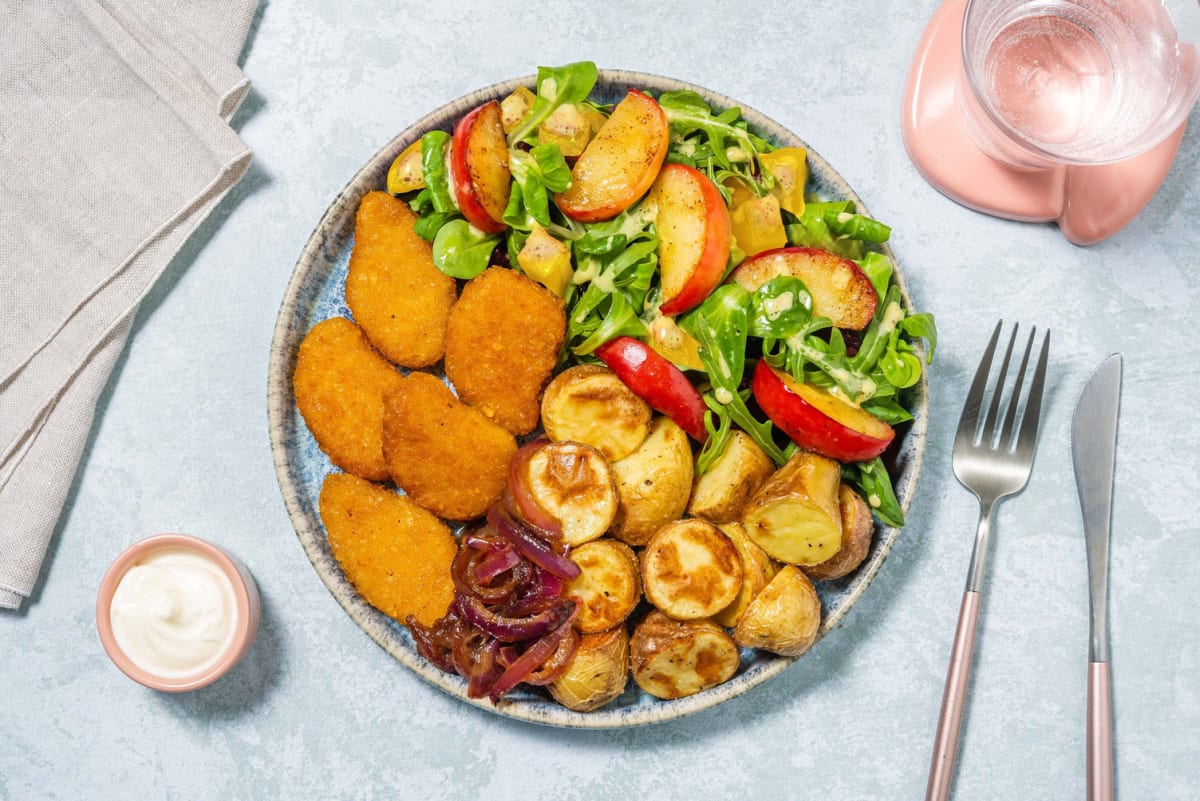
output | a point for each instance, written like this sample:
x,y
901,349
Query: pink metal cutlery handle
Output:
x,y
1099,734
945,745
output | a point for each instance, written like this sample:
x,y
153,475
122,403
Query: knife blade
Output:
x,y
1094,447
1094,451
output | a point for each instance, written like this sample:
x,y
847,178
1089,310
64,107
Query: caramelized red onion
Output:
x,y
531,546
511,629
532,658
519,498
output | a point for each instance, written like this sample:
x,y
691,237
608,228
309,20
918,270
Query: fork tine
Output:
x,y
1027,438
1006,434
989,426
969,420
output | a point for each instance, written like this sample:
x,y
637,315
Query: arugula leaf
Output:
x,y
433,167
556,86
461,250
876,485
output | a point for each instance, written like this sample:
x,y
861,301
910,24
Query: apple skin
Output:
x,y
479,174
620,163
656,381
688,275
817,420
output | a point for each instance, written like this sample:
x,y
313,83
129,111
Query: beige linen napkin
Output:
x,y
114,146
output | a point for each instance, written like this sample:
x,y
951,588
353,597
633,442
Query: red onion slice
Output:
x,y
533,657
557,664
533,548
509,629
487,568
519,497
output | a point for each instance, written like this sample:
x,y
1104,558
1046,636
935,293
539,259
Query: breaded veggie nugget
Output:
x,y
396,554
446,455
393,290
339,384
502,342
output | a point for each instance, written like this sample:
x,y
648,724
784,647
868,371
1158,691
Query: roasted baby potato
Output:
x,y
575,486
858,526
502,341
757,571
393,290
653,483
396,554
446,455
794,517
589,404
609,586
720,494
691,570
597,673
676,658
784,617
339,383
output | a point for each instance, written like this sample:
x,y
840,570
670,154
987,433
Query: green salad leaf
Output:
x,y
556,86
461,250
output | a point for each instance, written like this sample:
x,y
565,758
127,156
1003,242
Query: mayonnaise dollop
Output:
x,y
174,613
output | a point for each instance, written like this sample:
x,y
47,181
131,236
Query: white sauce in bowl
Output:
x,y
174,613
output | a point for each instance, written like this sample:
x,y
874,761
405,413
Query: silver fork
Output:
x,y
993,464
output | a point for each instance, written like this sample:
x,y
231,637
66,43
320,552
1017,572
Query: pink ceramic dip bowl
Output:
x,y
245,593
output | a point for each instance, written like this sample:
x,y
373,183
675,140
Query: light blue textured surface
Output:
x,y
317,710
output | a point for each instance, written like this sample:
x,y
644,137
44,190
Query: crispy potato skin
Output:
x,y
339,384
396,554
589,404
720,494
757,571
691,570
393,290
794,516
574,484
653,483
858,526
446,455
609,587
677,658
502,342
597,673
784,618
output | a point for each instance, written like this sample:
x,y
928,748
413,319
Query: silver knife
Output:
x,y
1094,448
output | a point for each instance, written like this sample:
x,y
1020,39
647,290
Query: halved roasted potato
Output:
x,y
653,483
757,571
597,673
691,570
608,586
794,516
720,494
589,404
676,658
575,486
858,526
784,618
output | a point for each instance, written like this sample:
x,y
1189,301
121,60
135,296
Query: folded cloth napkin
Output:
x,y
114,146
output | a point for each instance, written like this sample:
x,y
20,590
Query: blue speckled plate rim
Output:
x,y
318,259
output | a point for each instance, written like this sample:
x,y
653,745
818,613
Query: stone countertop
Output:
x,y
317,710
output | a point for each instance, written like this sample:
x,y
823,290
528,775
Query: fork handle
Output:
x,y
1099,734
945,745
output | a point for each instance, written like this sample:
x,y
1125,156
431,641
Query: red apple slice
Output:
x,y
656,381
620,162
840,289
693,236
817,420
479,174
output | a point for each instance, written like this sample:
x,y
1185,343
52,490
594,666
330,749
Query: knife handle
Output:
x,y
1099,734
958,674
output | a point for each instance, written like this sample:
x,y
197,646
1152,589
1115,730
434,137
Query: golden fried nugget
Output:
x,y
393,290
339,384
502,343
446,455
396,554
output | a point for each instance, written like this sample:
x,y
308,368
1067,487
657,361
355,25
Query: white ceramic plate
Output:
x,y
316,292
